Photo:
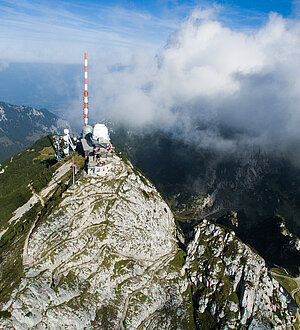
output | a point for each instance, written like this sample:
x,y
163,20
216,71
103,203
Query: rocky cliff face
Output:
x,y
231,284
106,256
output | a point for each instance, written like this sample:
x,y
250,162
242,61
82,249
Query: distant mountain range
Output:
x,y
20,126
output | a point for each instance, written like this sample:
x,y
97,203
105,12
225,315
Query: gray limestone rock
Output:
x,y
231,283
105,257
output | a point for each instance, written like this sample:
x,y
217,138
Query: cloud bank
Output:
x,y
209,77
210,74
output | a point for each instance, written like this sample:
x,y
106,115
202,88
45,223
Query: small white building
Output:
x,y
96,146
99,169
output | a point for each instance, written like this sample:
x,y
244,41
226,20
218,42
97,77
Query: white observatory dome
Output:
x,y
86,130
100,132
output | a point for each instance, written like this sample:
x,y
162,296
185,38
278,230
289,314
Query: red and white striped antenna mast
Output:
x,y
86,101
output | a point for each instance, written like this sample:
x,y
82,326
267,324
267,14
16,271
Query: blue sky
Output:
x,y
58,31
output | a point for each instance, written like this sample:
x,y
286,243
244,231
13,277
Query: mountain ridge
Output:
x,y
20,126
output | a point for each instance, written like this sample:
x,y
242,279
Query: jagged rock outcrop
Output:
x,y
107,258
231,284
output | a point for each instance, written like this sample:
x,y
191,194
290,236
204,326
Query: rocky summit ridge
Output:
x,y
107,257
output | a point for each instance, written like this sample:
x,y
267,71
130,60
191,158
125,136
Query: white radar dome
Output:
x,y
86,130
100,132
66,131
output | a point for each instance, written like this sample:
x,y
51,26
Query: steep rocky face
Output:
x,y
105,257
20,126
205,183
231,284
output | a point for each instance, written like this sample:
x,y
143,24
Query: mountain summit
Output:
x,y
103,253
106,256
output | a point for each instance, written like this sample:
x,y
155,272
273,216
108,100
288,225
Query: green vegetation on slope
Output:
x,y
27,167
34,166
287,282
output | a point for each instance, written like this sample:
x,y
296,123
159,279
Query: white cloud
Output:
x,y
210,74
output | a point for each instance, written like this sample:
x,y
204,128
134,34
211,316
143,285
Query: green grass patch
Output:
x,y
71,279
179,259
243,260
5,314
280,271
45,154
19,228
122,267
288,283
24,169
12,269
206,321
